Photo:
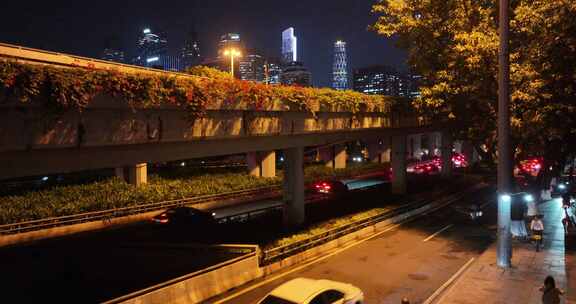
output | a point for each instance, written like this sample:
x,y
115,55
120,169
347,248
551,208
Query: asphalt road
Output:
x,y
102,265
412,261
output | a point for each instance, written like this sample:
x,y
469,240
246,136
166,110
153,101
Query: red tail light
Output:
x,y
161,219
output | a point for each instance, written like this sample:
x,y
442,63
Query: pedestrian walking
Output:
x,y
537,227
550,294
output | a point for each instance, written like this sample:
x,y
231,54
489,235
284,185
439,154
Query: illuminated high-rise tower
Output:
x,y
289,46
151,47
339,69
190,53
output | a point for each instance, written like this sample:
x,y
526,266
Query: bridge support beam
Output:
x,y
446,150
261,164
469,153
136,175
379,151
399,164
415,146
340,157
293,183
334,156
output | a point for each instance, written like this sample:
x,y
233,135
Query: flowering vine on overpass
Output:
x,y
74,88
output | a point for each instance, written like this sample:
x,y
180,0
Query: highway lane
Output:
x,y
411,261
101,265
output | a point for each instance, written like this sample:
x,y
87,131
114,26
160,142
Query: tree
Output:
x,y
453,44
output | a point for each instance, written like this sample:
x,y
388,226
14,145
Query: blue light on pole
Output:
x,y
506,198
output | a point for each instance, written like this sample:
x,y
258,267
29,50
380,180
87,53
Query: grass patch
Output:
x,y
323,227
114,193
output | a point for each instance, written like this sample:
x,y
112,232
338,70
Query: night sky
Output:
x,y
83,27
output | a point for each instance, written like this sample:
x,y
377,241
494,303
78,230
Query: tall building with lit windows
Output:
x,y
190,52
273,71
384,80
296,74
340,66
289,46
152,46
253,68
113,51
229,41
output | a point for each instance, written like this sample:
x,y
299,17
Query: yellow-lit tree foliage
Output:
x,y
453,44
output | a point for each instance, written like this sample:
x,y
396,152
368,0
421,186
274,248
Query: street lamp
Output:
x,y
232,53
504,247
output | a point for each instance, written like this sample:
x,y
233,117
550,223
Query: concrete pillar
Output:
x,y
469,152
138,174
446,150
261,164
294,212
253,163
326,155
399,164
340,157
334,156
385,149
374,152
268,164
379,151
415,141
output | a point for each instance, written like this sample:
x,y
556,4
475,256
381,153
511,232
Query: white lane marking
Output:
x,y
241,292
442,288
437,233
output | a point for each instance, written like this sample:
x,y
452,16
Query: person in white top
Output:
x,y
537,225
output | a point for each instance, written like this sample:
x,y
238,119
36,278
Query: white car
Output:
x,y
308,291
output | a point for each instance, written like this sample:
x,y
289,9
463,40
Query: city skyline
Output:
x,y
82,28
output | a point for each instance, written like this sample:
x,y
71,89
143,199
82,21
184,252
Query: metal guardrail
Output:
x,y
108,215
278,253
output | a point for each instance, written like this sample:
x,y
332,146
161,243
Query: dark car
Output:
x,y
332,187
184,216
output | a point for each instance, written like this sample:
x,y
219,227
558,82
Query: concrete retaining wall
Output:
x,y
199,286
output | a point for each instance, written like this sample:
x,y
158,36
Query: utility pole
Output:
x,y
504,249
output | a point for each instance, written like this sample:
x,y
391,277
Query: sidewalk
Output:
x,y
486,283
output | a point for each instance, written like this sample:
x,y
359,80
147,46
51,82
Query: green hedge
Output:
x,y
114,193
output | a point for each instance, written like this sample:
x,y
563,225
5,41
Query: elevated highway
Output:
x,y
111,133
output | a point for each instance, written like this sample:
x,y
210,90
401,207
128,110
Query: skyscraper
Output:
x,y
253,68
112,50
228,41
384,80
151,48
190,53
273,71
111,54
295,73
289,46
340,66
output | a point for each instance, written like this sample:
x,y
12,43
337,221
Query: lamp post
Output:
x,y
232,53
504,248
